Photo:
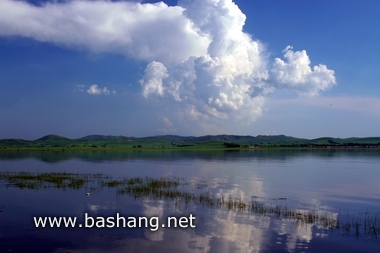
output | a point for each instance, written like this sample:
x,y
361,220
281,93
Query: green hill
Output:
x,y
52,138
175,141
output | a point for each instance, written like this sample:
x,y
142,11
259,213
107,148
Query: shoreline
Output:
x,y
63,149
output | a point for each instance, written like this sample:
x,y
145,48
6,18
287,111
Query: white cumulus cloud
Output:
x,y
228,81
152,82
143,31
295,73
95,90
198,56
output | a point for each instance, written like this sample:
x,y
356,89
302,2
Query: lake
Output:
x,y
241,201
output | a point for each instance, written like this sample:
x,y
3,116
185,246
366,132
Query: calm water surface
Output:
x,y
339,184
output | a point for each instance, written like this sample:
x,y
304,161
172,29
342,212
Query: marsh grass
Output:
x,y
177,191
45,180
367,224
167,189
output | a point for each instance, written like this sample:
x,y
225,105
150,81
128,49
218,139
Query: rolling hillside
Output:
x,y
175,141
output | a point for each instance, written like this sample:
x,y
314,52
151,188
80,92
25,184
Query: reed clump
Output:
x,y
45,180
151,187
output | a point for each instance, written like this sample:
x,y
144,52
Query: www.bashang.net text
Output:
x,y
116,221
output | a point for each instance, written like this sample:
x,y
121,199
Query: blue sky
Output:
x,y
300,68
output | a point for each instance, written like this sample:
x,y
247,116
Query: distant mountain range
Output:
x,y
175,141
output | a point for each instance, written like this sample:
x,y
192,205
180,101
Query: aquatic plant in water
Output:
x,y
45,180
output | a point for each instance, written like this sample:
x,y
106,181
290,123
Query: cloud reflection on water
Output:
x,y
307,180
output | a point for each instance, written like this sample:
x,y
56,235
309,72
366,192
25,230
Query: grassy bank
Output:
x,y
170,142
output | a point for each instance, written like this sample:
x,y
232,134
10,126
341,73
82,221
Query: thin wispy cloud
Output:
x,y
198,58
79,88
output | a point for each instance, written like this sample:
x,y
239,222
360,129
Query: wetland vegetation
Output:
x,y
178,191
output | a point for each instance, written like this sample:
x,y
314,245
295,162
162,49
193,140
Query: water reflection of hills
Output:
x,y
207,155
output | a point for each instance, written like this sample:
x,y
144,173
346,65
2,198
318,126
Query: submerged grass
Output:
x,y
366,223
178,191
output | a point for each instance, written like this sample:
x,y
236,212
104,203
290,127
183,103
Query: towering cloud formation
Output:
x,y
197,54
